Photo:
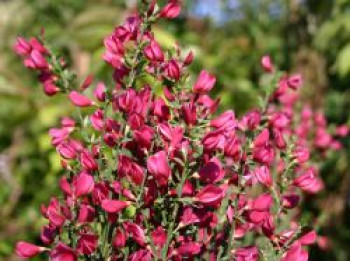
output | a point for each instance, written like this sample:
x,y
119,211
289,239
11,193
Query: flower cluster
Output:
x,y
155,176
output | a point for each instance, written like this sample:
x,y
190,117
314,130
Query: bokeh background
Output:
x,y
227,36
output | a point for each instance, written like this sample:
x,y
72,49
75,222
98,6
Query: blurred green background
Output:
x,y
228,38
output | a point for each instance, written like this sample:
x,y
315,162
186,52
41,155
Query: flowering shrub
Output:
x,y
155,176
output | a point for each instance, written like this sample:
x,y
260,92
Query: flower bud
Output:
x,y
27,250
188,59
100,92
80,100
114,206
267,64
119,239
87,82
50,88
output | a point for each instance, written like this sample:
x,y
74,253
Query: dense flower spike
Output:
x,y
152,176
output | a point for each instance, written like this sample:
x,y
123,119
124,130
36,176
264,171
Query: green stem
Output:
x,y
175,212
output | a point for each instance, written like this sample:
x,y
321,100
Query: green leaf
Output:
x,y
343,61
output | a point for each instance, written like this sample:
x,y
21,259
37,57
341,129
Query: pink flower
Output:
x,y
86,214
212,171
205,82
189,112
295,81
296,253
58,135
173,135
226,121
214,140
144,136
97,120
342,130
114,206
260,208
136,233
267,64
189,249
172,70
233,148
84,184
48,234
209,104
87,244
279,139
161,110
87,160
188,217
50,88
37,45
264,154
250,120
22,47
80,100
87,82
309,238
262,174
171,10
100,92
159,236
262,138
67,150
63,253
290,201
158,166
141,255
100,192
210,195
119,238
280,120
308,182
36,60
153,52
27,250
188,59
53,213
301,154
268,226
250,253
